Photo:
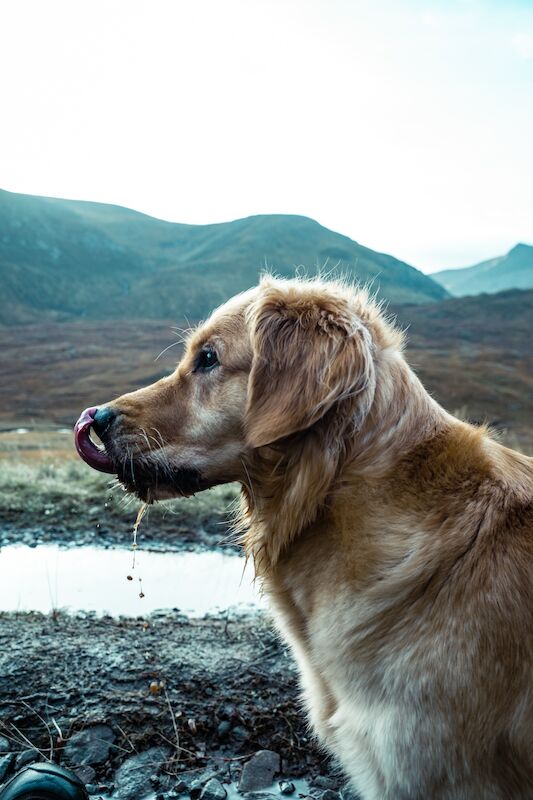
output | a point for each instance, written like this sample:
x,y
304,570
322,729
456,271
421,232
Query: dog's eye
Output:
x,y
206,360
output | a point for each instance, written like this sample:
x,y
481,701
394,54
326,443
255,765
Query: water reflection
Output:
x,y
95,579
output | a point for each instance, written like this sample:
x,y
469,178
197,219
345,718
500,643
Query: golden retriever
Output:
x,y
395,542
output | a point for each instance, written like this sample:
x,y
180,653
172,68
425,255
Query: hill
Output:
x,y
511,271
474,355
481,370
64,259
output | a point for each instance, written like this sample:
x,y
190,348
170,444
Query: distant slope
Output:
x,y
473,354
65,259
512,271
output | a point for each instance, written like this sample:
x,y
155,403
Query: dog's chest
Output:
x,y
343,693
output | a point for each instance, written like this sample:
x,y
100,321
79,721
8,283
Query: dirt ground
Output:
x,y
211,691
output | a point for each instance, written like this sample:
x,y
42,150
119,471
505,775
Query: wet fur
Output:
x,y
395,542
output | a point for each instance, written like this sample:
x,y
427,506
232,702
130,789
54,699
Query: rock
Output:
x,y
132,779
86,773
89,746
179,788
223,729
324,782
258,773
197,784
264,796
4,745
239,733
286,787
213,790
6,763
27,757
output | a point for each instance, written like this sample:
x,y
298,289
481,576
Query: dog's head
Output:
x,y
276,364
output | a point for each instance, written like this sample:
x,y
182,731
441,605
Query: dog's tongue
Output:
x,y
91,454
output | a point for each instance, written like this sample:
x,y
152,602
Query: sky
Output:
x,y
404,124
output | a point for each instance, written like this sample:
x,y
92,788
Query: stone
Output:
x,y
89,746
132,779
4,745
223,729
27,757
258,773
264,796
239,733
324,782
6,762
86,774
197,784
286,787
213,790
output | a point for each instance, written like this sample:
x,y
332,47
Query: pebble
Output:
x,y
5,765
239,733
286,787
132,779
89,746
264,796
324,782
27,757
223,729
259,771
196,785
86,773
213,790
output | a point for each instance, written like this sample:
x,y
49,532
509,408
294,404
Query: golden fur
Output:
x,y
395,542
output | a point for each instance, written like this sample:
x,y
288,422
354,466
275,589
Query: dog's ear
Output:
x,y
310,351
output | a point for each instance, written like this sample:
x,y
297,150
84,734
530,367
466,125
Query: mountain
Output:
x,y
512,271
65,259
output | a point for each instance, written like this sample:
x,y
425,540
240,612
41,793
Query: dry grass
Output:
x,y
44,484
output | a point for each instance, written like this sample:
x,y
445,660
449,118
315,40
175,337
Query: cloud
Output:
x,y
523,45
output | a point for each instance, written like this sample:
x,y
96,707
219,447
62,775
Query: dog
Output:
x,y
395,542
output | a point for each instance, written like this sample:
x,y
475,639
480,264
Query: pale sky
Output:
x,y
405,124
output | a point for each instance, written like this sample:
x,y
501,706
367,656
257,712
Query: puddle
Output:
x,y
95,579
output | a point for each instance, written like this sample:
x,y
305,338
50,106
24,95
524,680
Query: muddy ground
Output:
x,y
211,692
142,676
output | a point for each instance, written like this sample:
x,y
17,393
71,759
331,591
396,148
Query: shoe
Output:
x,y
44,781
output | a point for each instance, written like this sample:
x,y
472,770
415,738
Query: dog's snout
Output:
x,y
103,419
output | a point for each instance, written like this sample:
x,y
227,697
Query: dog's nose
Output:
x,y
103,419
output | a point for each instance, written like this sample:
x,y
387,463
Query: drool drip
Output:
x,y
134,545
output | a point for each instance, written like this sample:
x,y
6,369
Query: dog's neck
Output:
x,y
288,486
402,416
